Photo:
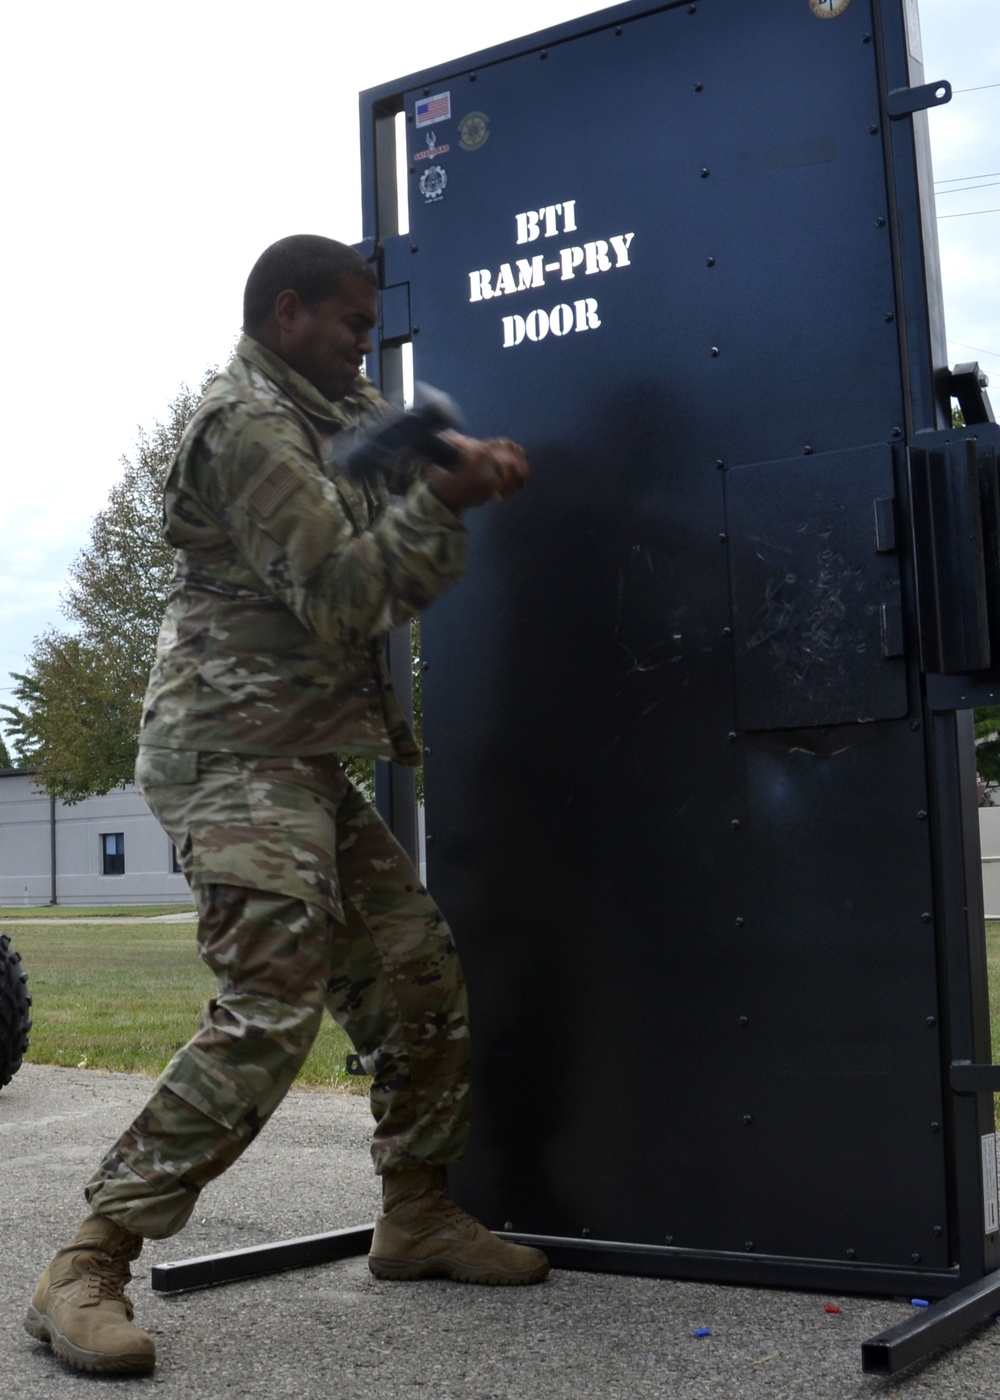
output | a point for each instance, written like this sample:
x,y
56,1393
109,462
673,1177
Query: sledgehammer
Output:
x,y
418,430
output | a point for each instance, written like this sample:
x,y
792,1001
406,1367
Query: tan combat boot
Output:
x,y
422,1233
79,1306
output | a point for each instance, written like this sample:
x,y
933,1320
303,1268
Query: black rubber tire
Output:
x,y
15,1021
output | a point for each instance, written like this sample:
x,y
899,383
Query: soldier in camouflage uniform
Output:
x,y
268,671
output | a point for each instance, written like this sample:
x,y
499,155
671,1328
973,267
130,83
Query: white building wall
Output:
x,y
25,860
989,836
26,817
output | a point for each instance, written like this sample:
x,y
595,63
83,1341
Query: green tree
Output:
x,y
5,759
78,702
75,716
987,722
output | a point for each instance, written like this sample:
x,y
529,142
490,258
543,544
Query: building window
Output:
x,y
113,853
175,865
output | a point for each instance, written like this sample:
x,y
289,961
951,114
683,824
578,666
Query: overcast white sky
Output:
x,y
152,151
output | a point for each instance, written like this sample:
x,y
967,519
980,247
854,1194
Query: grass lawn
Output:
x,y
103,911
124,996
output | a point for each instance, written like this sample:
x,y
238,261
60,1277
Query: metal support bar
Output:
x,y
969,1078
257,1260
746,1269
903,102
900,1346
594,1256
968,692
969,384
395,785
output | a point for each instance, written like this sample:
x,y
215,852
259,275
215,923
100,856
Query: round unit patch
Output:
x,y
828,9
473,131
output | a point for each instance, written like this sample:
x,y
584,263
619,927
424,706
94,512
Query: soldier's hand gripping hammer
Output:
x,y
418,430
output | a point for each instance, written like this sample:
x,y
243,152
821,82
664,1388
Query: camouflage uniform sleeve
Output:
x,y
344,578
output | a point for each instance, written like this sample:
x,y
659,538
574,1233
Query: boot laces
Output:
x,y
106,1278
453,1214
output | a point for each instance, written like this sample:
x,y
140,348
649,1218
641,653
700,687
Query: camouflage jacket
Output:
x,y
288,575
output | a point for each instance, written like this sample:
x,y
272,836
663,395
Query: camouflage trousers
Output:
x,y
305,901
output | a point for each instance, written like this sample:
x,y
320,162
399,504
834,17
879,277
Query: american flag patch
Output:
x,y
268,495
433,109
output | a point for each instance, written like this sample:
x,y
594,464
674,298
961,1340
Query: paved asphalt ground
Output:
x,y
334,1331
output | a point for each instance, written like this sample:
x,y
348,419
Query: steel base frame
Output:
x,y
957,1311
255,1261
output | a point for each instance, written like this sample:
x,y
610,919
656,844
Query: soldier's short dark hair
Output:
x,y
305,263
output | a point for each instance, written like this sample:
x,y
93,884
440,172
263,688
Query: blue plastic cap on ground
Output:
x,y
702,1331
920,1302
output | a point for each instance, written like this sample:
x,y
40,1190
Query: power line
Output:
x,y
988,186
978,349
970,215
981,88
957,179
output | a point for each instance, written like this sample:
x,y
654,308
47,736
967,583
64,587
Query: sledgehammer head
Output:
x,y
418,430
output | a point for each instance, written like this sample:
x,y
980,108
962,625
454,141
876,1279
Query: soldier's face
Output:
x,y
326,343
